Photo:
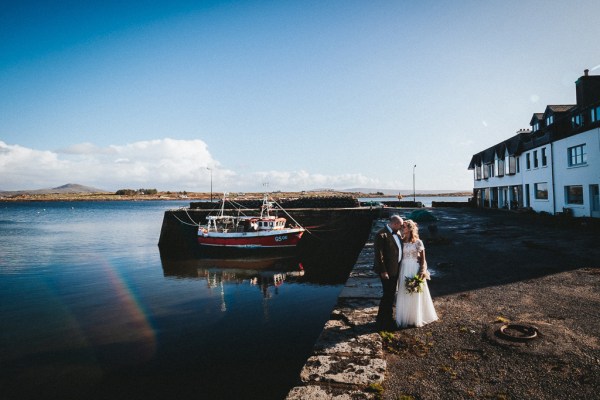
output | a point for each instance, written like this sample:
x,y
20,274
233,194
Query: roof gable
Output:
x,y
537,117
558,109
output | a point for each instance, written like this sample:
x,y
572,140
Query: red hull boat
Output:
x,y
250,232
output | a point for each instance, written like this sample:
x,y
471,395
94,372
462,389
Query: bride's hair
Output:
x,y
413,228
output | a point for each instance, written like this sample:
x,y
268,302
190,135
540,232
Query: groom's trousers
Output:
x,y
385,317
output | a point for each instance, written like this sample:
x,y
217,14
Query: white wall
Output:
x,y
541,174
585,175
564,175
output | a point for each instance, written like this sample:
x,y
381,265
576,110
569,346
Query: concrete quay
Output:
x,y
490,268
347,361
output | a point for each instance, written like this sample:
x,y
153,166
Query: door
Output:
x,y
527,199
595,201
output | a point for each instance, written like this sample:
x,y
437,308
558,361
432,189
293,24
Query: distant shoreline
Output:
x,y
189,196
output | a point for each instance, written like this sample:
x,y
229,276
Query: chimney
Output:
x,y
587,89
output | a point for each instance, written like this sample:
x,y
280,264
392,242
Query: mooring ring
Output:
x,y
523,332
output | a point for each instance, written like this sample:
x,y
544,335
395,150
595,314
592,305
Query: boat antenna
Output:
x,y
288,214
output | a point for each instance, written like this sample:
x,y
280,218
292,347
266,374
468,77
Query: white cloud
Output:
x,y
164,164
301,180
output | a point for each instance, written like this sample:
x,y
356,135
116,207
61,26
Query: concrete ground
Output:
x,y
489,268
492,267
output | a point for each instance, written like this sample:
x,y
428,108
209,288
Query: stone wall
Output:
x,y
348,356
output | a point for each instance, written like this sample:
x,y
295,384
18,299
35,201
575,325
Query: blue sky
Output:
x,y
300,94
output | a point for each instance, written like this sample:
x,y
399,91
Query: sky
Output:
x,y
299,95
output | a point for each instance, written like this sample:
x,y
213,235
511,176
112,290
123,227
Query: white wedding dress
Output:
x,y
412,309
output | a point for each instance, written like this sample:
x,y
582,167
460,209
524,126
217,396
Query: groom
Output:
x,y
388,254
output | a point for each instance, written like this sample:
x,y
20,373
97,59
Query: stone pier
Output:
x,y
347,361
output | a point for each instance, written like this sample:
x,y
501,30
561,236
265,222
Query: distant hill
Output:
x,y
64,189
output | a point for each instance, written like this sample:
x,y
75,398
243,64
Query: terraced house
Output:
x,y
553,167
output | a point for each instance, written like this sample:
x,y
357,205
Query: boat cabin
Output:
x,y
226,224
270,223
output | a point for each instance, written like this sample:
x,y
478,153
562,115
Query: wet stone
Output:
x,y
326,393
338,338
362,288
348,355
357,312
356,370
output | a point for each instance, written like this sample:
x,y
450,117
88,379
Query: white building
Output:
x,y
553,167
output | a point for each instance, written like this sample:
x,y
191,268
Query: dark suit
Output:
x,y
387,254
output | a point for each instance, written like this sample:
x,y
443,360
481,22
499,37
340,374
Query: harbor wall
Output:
x,y
347,360
325,227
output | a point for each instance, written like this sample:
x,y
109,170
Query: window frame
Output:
x,y
579,197
544,157
538,192
500,167
575,159
595,114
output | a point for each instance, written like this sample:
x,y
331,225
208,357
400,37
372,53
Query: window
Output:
x,y
595,114
574,194
549,120
576,155
576,121
518,165
535,159
544,158
500,167
541,191
488,171
536,126
528,160
478,172
512,165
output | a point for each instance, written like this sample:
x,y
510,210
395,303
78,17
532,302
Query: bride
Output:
x,y
413,309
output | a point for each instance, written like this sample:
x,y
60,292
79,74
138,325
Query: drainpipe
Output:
x,y
552,171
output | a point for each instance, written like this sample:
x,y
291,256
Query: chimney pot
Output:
x,y
586,72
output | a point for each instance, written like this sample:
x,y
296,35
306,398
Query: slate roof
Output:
x,y
512,146
560,108
538,116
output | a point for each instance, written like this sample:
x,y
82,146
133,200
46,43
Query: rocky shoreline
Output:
x,y
192,196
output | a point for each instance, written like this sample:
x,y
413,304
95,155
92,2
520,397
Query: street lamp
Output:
x,y
414,193
210,169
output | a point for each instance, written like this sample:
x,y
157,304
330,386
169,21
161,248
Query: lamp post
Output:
x,y
414,193
210,169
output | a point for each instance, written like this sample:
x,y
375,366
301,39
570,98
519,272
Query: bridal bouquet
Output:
x,y
414,284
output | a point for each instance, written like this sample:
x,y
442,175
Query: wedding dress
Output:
x,y
412,309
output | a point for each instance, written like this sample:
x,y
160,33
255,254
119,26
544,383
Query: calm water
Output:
x,y
426,200
89,310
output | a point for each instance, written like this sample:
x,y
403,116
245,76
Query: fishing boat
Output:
x,y
246,232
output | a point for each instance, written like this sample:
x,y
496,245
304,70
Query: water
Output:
x,y
426,200
89,310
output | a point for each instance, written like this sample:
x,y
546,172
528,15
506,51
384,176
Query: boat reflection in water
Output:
x,y
252,321
267,274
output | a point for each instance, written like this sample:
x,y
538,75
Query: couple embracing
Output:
x,y
401,265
